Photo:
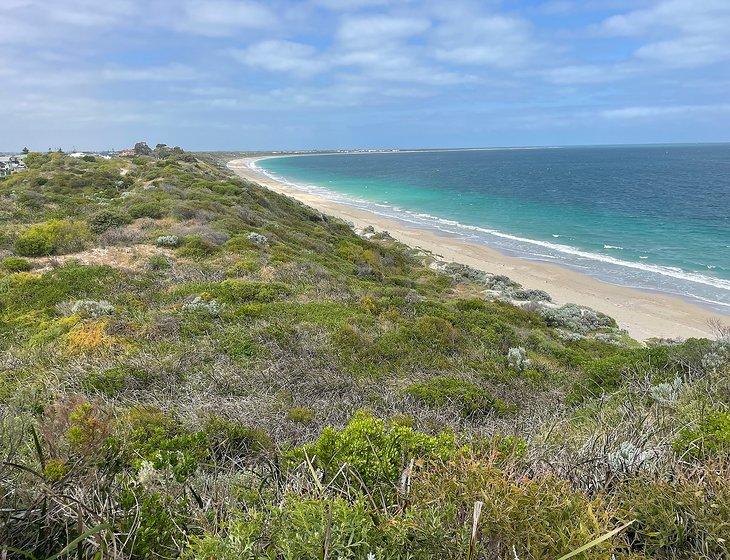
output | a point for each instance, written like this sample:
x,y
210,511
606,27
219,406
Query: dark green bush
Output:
x,y
158,262
22,292
676,519
602,375
158,520
242,291
107,218
443,391
195,246
522,516
148,209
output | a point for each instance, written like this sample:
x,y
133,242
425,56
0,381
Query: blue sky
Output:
x,y
249,74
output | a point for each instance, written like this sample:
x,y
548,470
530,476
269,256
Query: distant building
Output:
x,y
79,155
129,152
11,164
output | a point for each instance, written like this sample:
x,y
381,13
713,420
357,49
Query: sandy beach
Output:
x,y
643,314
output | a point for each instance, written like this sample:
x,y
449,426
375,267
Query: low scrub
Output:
x,y
199,390
55,237
468,397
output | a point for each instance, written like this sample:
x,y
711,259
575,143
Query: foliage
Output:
x,y
199,399
162,441
168,241
710,437
108,218
147,209
15,264
55,237
378,453
468,397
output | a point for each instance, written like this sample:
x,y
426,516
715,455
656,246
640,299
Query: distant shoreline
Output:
x,y
643,314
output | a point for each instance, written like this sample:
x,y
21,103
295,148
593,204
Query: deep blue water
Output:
x,y
652,217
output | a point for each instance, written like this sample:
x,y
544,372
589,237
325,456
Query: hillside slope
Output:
x,y
194,366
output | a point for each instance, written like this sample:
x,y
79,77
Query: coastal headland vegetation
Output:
x,y
193,366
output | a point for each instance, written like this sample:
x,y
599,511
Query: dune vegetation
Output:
x,y
193,366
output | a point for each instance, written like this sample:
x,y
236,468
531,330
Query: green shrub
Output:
x,y
436,332
55,470
15,264
443,391
159,523
196,247
294,530
86,429
107,218
376,451
147,209
154,437
602,375
36,160
55,237
158,262
239,243
25,291
243,267
710,437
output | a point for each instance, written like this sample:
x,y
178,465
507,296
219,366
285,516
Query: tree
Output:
x,y
142,149
26,151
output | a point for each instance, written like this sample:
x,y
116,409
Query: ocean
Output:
x,y
651,217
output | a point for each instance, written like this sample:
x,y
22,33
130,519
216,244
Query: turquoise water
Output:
x,y
651,217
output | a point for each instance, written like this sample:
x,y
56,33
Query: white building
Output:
x,y
11,164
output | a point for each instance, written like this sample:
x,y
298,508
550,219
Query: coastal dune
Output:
x,y
643,314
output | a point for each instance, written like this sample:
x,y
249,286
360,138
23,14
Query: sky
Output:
x,y
317,74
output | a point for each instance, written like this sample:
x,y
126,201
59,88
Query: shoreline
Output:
x,y
643,314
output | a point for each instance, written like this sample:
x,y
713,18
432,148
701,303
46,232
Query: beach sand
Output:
x,y
643,314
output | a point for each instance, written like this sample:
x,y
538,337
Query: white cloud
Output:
x,y
168,73
37,21
585,74
397,65
88,13
650,112
679,33
494,40
376,31
281,56
350,5
219,18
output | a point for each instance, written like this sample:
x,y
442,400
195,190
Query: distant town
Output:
x,y
11,164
